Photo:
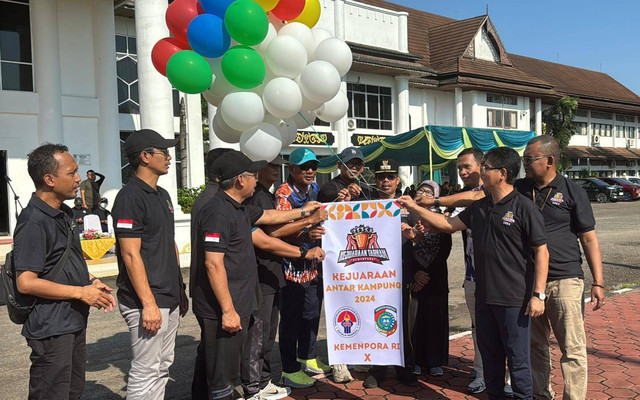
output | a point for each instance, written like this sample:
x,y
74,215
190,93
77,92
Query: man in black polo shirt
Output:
x,y
223,298
151,294
508,230
56,328
347,186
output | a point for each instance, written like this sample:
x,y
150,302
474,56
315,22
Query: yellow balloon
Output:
x,y
267,5
310,14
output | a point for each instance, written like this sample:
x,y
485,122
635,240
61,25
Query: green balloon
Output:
x,y
189,72
243,67
246,22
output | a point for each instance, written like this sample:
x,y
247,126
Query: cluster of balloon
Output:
x,y
263,63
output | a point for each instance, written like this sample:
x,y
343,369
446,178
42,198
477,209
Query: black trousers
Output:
x,y
57,367
217,367
299,320
504,333
256,356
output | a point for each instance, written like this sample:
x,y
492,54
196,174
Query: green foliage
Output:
x,y
558,122
187,196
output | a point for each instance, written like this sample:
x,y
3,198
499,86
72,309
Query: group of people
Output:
x,y
256,270
89,202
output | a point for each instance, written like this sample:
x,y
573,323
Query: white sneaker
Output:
x,y
341,373
508,391
273,392
477,386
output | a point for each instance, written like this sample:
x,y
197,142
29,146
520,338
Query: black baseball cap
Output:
x,y
144,139
350,153
233,163
279,161
386,166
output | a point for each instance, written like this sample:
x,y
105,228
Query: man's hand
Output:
x,y
407,231
320,215
354,190
184,303
424,201
231,322
151,319
96,297
316,254
311,206
535,308
105,289
597,297
343,195
408,203
420,280
316,232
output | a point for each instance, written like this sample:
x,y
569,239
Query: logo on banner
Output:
x,y
362,246
386,320
346,322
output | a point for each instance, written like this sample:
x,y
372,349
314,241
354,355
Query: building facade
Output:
x,y
80,73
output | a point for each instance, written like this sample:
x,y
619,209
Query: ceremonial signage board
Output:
x,y
312,139
362,275
359,139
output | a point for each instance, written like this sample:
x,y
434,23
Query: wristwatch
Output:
x,y
541,296
303,251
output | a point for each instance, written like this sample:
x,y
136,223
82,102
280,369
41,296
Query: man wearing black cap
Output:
x,y
223,298
151,293
347,185
387,179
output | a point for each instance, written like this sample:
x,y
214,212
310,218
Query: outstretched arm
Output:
x,y
437,221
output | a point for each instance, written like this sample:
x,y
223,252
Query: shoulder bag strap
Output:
x,y
55,271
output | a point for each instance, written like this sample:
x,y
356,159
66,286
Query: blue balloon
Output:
x,y
216,7
208,36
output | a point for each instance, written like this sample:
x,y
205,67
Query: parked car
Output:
x,y
634,180
632,191
601,191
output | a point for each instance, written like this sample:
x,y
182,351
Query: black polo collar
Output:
x,y
508,197
47,209
230,199
142,184
555,183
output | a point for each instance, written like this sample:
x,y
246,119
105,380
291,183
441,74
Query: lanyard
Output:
x,y
533,193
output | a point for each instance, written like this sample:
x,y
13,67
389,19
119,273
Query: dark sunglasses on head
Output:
x,y
309,165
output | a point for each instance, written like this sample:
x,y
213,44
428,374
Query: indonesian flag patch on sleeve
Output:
x,y
125,224
212,237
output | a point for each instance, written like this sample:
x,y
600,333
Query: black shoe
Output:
x,y
370,382
406,377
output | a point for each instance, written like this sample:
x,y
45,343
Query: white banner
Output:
x,y
362,275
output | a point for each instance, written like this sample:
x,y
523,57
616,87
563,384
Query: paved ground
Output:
x,y
614,336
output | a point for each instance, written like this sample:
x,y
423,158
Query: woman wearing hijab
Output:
x,y
426,254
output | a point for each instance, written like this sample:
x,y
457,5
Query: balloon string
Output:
x,y
358,179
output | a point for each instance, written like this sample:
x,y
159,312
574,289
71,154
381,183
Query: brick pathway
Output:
x,y
613,335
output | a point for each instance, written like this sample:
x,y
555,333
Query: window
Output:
x,y
582,113
502,119
502,99
601,129
127,70
16,64
601,115
370,106
619,131
581,128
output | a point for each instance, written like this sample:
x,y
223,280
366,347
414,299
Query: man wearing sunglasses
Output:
x,y
511,259
151,294
347,186
301,297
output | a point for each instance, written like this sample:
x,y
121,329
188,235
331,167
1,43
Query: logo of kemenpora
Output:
x,y
346,322
386,320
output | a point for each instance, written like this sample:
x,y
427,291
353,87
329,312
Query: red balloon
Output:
x,y
162,52
179,14
287,10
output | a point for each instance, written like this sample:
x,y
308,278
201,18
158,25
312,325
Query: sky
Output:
x,y
591,34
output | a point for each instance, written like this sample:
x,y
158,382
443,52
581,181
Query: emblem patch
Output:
x,y
212,237
386,320
124,224
362,246
557,199
508,218
346,322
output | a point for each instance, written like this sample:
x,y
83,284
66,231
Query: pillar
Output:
x,y
338,19
538,116
402,121
459,108
195,149
403,35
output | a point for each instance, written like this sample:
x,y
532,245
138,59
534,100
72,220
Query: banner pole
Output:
x,y
430,156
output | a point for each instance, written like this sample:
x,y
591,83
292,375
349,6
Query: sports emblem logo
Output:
x,y
386,320
346,322
508,218
362,246
557,199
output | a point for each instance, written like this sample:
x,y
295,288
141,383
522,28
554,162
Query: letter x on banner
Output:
x,y
362,275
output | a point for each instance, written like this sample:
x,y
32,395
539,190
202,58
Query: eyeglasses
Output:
x,y
529,160
164,152
254,174
485,168
425,192
309,165
355,164
383,176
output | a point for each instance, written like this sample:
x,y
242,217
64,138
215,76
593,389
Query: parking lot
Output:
x,y
108,344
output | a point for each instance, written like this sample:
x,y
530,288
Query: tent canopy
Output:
x,y
433,147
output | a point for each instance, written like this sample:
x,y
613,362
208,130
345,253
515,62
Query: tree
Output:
x,y
558,122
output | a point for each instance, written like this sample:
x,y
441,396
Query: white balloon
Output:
x,y
242,111
301,32
334,109
336,52
286,56
261,143
223,131
220,86
309,105
281,97
262,46
212,98
319,35
319,81
304,119
288,129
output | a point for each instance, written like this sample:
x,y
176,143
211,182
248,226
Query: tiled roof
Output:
x,y
608,153
449,41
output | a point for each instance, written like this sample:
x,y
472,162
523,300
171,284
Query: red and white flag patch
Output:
x,y
212,237
125,224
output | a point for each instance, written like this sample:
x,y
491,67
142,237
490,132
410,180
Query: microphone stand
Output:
x,y
16,198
